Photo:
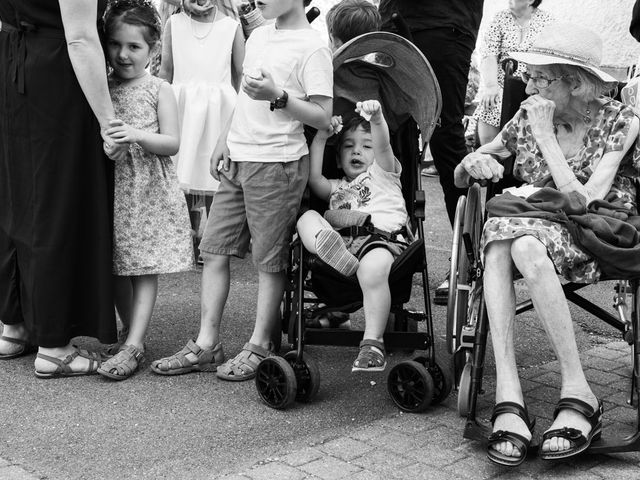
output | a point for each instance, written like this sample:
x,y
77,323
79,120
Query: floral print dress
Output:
x,y
608,133
503,36
151,231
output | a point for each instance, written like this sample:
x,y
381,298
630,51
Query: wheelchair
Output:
x,y
467,326
386,67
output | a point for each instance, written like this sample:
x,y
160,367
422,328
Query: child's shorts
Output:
x,y
363,244
258,203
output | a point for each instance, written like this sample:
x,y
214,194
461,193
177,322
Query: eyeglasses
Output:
x,y
539,82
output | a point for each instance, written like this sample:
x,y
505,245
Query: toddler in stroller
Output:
x,y
369,196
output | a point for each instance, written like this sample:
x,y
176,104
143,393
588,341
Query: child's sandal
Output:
x,y
123,364
372,357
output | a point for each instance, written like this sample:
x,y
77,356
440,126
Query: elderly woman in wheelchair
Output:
x,y
567,134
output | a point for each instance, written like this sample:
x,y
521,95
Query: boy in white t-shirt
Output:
x,y
262,163
371,185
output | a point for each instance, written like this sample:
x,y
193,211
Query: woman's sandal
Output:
x,y
517,440
243,366
26,349
208,360
371,358
123,364
64,370
579,442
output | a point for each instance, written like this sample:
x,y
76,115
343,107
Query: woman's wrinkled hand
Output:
x,y
490,96
540,113
481,167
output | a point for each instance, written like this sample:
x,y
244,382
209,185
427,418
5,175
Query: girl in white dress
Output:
x,y
202,55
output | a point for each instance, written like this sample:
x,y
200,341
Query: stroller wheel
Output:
x,y
442,381
410,385
276,382
307,376
464,391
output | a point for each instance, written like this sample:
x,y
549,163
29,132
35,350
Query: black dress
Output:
x,y
55,187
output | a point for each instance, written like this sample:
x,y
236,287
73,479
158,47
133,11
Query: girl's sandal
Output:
x,y
123,364
208,360
26,349
64,370
371,357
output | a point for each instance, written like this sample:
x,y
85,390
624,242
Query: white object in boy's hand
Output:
x,y
254,73
336,124
367,109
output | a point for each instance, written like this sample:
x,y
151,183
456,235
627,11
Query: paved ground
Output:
x,y
197,427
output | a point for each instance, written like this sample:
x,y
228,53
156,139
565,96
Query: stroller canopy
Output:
x,y
388,68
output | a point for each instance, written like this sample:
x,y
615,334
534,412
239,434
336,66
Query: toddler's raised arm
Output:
x,y
371,110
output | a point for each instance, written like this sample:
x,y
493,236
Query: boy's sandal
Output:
x,y
579,442
64,370
208,360
123,364
371,358
243,366
520,442
332,250
26,349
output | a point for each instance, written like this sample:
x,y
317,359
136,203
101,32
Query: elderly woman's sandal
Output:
x,y
207,360
63,368
520,442
579,442
244,366
123,364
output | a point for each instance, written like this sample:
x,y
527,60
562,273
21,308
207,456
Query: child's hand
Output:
x,y
334,128
220,161
370,110
121,133
259,85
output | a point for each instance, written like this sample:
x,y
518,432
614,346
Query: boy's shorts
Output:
x,y
258,203
361,245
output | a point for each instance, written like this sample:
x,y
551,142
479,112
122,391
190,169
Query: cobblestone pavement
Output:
x,y
430,445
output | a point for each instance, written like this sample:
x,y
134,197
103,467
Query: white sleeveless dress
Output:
x,y
205,94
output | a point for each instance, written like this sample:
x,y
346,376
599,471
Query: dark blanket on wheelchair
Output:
x,y
606,230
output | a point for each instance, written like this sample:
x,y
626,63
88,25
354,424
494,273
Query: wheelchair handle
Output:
x,y
312,14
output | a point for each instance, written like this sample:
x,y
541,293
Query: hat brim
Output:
x,y
532,58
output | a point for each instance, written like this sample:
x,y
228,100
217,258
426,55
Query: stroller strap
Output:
x,y
365,230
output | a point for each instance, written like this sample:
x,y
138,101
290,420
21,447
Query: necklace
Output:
x,y
193,30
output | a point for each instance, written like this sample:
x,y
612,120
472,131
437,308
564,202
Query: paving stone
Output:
x,y
475,467
300,457
605,378
547,394
438,456
606,351
409,423
13,472
562,472
368,433
605,365
330,468
549,379
4,463
617,469
420,471
383,461
346,448
366,475
272,470
233,476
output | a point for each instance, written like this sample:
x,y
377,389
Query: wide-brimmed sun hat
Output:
x,y
569,44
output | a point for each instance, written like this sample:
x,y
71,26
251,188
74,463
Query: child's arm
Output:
x,y
167,141
237,58
166,63
319,184
382,151
316,112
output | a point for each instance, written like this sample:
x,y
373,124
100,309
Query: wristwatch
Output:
x,y
279,102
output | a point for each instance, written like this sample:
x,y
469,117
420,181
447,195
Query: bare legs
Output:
x,y
530,257
486,132
373,277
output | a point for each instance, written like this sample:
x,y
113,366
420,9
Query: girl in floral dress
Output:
x,y
151,223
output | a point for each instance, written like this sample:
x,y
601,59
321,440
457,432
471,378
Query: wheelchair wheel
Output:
x,y
465,251
276,382
464,391
307,376
410,386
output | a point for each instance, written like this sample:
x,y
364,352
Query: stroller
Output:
x,y
386,67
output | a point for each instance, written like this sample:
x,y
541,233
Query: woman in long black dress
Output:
x,y
55,238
